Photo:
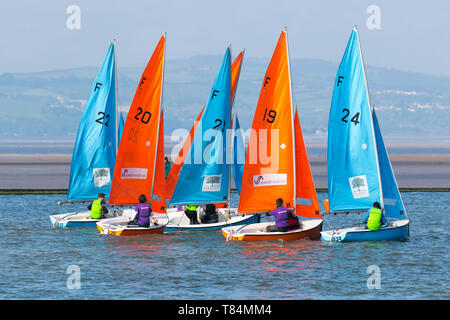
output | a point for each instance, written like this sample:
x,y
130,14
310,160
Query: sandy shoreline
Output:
x,y
66,158
51,171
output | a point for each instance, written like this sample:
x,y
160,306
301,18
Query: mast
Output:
x,y
159,118
371,117
230,151
292,124
117,98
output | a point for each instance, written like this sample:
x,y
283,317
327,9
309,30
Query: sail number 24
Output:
x,y
354,119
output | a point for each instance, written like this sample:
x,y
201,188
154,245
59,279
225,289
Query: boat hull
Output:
x,y
119,226
256,232
179,222
74,219
396,231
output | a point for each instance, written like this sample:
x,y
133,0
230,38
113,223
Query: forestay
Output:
x,y
238,154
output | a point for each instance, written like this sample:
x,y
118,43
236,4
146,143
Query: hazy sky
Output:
x,y
413,35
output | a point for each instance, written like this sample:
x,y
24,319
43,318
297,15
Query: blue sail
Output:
x,y
205,173
94,153
352,165
121,126
238,155
393,204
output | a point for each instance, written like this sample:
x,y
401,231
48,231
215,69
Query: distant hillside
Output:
x,y
50,103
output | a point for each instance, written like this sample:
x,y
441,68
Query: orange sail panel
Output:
x,y
235,73
159,186
307,204
172,177
135,161
269,164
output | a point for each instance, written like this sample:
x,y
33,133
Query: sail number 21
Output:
x,y
354,119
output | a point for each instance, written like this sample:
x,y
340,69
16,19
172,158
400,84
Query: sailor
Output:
x,y
167,166
210,214
375,218
191,213
98,207
281,216
144,211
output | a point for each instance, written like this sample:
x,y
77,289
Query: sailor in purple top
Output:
x,y
143,214
281,216
142,218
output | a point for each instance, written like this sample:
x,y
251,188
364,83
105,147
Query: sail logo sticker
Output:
x,y
133,173
359,187
102,177
212,183
276,179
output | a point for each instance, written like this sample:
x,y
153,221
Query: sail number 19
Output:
x,y
269,115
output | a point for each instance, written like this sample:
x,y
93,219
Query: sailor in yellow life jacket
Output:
x,y
97,207
375,217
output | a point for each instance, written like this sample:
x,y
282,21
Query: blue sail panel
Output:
x,y
393,204
204,175
94,153
121,126
238,155
353,178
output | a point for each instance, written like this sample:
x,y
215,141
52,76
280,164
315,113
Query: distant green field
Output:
x,y
50,103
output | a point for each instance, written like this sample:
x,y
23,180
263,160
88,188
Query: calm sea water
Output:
x,y
34,260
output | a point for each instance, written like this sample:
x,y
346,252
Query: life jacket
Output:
x,y
191,208
374,221
143,213
293,221
96,209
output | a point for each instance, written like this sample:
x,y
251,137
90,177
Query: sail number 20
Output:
x,y
354,119
144,117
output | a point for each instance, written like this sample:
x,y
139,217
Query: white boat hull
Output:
x,y
119,226
178,221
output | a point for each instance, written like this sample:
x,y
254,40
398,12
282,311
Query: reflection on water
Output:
x,y
203,265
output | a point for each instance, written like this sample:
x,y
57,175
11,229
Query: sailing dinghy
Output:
x,y
287,174
95,148
359,170
198,180
139,167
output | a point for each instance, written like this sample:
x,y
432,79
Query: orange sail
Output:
x,y
172,177
135,162
307,204
159,186
269,171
